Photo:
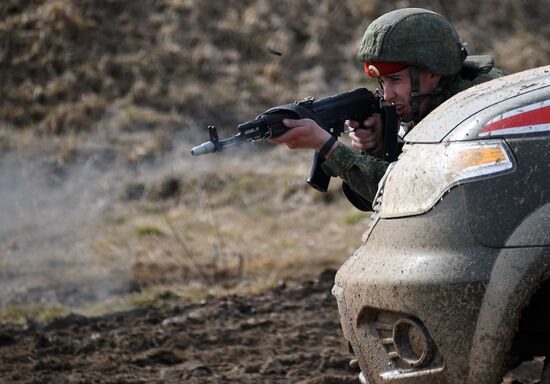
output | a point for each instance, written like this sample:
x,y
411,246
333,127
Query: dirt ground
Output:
x,y
290,334
287,335
100,101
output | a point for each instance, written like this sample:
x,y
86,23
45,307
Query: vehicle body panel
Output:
x,y
435,272
513,198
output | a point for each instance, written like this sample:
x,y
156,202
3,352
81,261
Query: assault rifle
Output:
x,y
330,113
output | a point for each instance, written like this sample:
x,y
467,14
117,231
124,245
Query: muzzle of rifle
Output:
x,y
207,147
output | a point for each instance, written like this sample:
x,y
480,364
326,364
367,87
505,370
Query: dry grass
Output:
x,y
64,63
238,229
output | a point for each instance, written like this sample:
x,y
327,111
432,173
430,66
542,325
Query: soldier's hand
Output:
x,y
367,138
304,134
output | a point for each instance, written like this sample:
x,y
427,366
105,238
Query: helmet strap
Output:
x,y
416,96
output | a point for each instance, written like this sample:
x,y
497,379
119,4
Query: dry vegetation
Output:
x,y
218,234
65,63
136,82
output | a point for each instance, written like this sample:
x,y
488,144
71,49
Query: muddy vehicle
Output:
x,y
451,284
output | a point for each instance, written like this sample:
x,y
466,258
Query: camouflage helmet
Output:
x,y
414,36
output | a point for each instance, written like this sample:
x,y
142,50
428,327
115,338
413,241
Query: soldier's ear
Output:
x,y
429,80
433,79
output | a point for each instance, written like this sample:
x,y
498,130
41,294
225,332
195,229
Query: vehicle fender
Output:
x,y
515,277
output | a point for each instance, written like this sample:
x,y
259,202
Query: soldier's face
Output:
x,y
397,90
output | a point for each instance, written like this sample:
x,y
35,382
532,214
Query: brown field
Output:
x,y
105,210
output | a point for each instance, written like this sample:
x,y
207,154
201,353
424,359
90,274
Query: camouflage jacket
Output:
x,y
361,172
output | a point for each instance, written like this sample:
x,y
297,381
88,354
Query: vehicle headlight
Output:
x,y
425,172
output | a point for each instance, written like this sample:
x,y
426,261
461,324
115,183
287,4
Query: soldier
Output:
x,y
419,61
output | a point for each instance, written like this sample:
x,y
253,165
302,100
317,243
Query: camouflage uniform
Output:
x,y
420,39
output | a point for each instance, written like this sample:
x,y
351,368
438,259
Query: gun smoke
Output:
x,y
49,211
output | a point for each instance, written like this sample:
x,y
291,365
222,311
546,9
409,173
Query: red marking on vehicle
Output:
x,y
532,118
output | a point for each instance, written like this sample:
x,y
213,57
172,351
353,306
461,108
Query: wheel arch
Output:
x,y
518,273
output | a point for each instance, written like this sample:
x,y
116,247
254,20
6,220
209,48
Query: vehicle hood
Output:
x,y
463,116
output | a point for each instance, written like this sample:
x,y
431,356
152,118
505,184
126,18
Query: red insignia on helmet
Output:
x,y
381,69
